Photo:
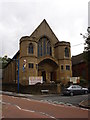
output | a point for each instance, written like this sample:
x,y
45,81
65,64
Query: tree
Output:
x,y
87,52
4,61
87,41
88,49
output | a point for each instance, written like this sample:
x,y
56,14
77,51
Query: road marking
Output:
x,y
54,103
7,103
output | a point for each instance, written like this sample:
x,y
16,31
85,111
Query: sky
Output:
x,y
18,18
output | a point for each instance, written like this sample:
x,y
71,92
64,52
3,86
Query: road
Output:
x,y
19,107
55,98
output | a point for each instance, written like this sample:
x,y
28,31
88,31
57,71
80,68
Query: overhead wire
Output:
x,y
77,44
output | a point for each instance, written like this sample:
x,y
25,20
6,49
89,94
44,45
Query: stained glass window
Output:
x,y
44,46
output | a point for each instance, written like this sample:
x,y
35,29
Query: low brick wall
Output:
x,y
9,87
32,89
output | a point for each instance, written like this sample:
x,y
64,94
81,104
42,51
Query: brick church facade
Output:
x,y
45,56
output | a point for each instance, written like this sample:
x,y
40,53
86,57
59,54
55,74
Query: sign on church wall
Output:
x,y
75,79
34,80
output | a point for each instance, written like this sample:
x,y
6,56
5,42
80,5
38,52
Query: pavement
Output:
x,y
84,103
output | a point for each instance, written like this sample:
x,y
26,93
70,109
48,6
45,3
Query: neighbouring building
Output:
x,y
80,66
40,54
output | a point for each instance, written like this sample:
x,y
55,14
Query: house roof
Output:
x,y
14,58
78,59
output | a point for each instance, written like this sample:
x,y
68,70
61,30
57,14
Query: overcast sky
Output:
x,y
67,19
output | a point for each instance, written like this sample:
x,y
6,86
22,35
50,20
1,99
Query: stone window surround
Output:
x,y
67,55
44,49
32,65
67,65
28,49
61,67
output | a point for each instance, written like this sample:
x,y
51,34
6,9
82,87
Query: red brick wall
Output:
x,y
81,70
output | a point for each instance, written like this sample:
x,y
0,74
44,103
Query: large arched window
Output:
x,y
44,46
49,49
66,52
30,48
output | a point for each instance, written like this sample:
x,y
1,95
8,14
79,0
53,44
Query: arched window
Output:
x,y
30,48
44,46
66,52
49,49
40,48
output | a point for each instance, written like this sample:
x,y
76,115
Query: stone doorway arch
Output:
x,y
47,68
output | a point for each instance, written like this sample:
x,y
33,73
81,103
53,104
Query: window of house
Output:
x,y
66,52
62,68
30,65
67,67
30,48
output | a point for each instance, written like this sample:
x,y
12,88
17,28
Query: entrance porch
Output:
x,y
47,68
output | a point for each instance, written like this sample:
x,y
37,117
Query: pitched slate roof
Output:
x,y
78,59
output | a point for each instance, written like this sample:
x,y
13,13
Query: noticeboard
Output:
x,y
34,80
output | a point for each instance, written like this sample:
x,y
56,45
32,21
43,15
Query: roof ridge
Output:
x,y
44,20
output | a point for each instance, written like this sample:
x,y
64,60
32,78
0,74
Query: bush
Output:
x,y
83,82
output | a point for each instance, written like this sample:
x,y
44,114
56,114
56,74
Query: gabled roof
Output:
x,y
14,58
44,21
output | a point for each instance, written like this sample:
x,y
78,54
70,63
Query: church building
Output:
x,y
40,54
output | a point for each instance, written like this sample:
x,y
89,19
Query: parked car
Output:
x,y
74,90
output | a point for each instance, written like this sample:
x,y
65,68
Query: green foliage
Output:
x,y
4,61
83,82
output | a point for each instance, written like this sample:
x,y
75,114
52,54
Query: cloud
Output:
x,y
21,17
89,14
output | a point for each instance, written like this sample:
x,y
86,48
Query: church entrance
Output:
x,y
47,69
44,76
53,76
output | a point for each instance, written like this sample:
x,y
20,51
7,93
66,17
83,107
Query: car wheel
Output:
x,y
71,93
86,92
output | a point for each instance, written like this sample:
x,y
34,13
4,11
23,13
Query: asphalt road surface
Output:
x,y
55,98
19,107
